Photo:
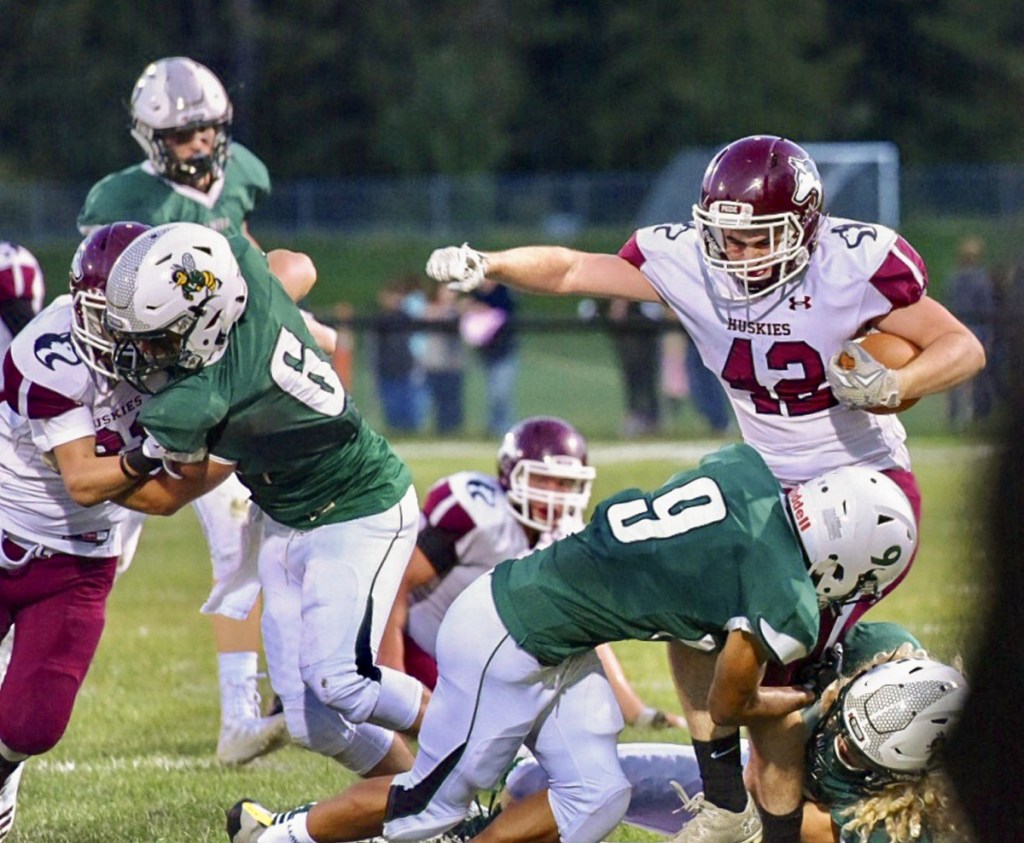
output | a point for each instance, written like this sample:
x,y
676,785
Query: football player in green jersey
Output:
x,y
875,741
239,387
717,558
181,117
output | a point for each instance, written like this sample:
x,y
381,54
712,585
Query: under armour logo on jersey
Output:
x,y
808,185
50,348
794,302
853,233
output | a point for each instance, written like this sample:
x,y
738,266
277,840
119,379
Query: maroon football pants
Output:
x,y
58,606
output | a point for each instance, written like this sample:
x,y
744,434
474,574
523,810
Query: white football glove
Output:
x,y
867,384
460,267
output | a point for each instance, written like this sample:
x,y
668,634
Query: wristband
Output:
x,y
135,464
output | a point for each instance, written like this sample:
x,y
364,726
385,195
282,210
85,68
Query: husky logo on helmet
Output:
x,y
191,280
808,185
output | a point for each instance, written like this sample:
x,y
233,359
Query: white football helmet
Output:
x,y
898,713
858,530
177,95
172,299
535,450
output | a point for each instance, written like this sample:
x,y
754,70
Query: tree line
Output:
x,y
341,88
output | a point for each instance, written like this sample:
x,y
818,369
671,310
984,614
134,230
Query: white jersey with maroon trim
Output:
x,y
51,398
466,528
771,353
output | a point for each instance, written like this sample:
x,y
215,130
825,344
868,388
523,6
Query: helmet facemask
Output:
x,y
190,171
91,265
785,258
174,98
89,335
547,509
153,360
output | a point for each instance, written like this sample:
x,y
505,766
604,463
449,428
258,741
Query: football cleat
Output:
x,y
9,800
711,824
243,739
247,820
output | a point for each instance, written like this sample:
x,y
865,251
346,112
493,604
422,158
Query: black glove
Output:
x,y
818,675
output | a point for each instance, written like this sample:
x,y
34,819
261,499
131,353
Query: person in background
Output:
x,y
706,392
970,294
22,290
488,324
472,521
444,361
634,331
399,377
182,118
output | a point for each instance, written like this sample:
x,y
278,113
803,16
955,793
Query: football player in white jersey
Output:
x,y
471,521
66,428
771,290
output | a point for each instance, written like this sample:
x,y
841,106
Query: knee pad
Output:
x,y
591,811
342,689
315,727
392,700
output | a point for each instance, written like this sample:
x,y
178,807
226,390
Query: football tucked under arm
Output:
x,y
860,381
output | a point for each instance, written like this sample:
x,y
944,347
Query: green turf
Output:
x,y
137,761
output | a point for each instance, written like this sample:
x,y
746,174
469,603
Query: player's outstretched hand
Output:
x,y
460,267
867,383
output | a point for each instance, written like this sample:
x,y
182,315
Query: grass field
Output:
x,y
137,761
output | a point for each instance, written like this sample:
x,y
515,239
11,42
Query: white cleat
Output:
x,y
9,800
244,739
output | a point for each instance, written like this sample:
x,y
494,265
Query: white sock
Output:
x,y
292,830
239,695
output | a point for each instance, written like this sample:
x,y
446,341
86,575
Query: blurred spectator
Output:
x,y
971,297
675,386
444,360
489,325
399,378
706,391
634,330
344,345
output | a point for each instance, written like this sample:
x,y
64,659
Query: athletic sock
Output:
x,y
783,828
239,695
722,772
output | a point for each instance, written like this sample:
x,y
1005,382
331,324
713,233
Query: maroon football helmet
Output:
x,y
90,268
536,449
761,184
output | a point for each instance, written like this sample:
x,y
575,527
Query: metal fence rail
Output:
x,y
560,204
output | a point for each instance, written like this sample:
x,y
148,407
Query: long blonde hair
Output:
x,y
905,808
